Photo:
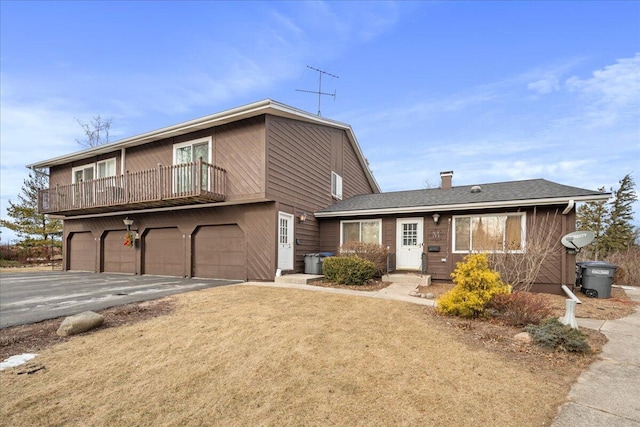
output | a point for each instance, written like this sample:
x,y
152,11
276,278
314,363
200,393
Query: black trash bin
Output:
x,y
595,278
313,262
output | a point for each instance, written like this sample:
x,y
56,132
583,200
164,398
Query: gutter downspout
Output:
x,y
563,259
570,206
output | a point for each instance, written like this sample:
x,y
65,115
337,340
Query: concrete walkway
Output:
x,y
608,393
395,291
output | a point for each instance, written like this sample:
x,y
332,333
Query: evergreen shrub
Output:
x,y
348,270
475,285
552,334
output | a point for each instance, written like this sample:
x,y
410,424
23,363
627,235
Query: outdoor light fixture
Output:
x,y
436,218
302,218
128,222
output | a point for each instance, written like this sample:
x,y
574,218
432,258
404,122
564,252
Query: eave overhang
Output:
x,y
463,206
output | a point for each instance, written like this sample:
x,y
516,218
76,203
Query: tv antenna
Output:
x,y
319,92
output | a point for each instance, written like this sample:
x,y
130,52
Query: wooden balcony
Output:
x,y
188,183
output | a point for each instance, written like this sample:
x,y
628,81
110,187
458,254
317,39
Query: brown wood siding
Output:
x,y
354,178
298,163
257,221
337,152
240,150
82,252
116,257
164,252
438,236
60,175
149,156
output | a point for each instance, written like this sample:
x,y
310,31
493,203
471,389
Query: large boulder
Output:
x,y
79,323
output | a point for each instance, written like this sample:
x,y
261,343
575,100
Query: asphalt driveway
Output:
x,y
33,297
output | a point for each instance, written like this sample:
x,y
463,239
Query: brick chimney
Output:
x,y
446,178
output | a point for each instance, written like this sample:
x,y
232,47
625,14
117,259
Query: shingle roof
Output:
x,y
512,193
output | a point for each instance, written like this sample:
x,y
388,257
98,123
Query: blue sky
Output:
x,y
494,91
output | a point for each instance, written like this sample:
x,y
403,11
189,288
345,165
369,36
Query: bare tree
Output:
x,y
96,132
521,268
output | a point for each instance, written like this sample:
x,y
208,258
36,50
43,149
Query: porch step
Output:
x,y
298,278
408,278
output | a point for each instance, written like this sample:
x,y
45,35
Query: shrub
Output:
x,y
521,308
475,286
552,334
373,252
350,270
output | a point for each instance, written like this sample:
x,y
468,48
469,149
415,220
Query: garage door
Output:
x,y
164,252
219,251
82,252
116,257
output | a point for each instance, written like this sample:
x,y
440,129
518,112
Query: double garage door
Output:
x,y
217,251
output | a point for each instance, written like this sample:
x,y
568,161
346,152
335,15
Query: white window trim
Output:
x,y
95,169
336,191
523,236
81,168
379,221
191,143
105,162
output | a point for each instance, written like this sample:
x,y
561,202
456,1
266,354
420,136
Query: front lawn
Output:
x,y
243,355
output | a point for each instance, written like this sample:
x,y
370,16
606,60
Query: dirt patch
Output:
x,y
36,337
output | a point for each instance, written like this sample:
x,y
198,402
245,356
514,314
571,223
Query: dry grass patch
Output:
x,y
245,355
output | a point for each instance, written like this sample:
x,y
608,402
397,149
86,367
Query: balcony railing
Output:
x,y
188,183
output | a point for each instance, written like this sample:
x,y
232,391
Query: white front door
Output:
x,y
285,241
409,243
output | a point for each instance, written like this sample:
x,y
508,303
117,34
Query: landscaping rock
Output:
x,y
523,337
79,323
429,295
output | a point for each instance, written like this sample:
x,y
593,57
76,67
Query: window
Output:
x,y
187,153
366,231
336,185
489,233
101,169
83,173
107,168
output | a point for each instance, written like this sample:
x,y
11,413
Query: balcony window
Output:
x,y
187,152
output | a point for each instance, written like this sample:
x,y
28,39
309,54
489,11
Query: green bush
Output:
x,y
350,270
475,286
373,252
552,334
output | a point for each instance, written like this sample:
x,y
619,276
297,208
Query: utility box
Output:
x,y
313,262
595,278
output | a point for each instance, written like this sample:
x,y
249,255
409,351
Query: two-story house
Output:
x,y
249,191
231,195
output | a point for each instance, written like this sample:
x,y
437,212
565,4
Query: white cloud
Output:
x,y
612,93
545,86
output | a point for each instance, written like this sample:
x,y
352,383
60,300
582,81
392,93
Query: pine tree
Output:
x,y
30,226
620,233
594,216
